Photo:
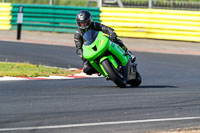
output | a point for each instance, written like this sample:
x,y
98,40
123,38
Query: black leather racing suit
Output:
x,y
78,39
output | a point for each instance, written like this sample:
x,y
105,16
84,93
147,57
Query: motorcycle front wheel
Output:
x,y
113,74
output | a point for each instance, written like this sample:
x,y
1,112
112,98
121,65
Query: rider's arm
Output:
x,y
78,39
101,27
108,30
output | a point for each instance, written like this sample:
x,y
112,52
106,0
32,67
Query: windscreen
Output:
x,y
90,37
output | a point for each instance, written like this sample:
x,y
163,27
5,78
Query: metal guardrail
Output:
x,y
50,17
153,23
127,22
5,16
159,4
119,2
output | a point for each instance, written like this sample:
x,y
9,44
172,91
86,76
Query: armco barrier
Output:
x,y
5,16
128,22
50,18
153,23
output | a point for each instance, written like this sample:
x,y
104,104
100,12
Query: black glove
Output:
x,y
113,36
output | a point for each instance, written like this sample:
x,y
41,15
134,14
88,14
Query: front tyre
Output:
x,y
113,74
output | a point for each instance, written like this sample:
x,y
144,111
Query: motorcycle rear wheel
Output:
x,y
136,82
113,74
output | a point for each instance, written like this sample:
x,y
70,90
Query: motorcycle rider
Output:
x,y
85,23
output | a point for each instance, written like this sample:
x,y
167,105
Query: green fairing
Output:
x,y
111,59
102,44
98,67
88,51
119,53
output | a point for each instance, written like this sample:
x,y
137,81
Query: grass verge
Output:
x,y
184,130
29,70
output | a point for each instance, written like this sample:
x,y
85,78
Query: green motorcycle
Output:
x,y
109,59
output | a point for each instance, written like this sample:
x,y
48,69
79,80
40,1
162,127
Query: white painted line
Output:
x,y
10,78
98,124
59,77
83,74
80,75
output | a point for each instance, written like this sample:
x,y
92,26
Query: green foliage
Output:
x,y
82,3
30,70
56,2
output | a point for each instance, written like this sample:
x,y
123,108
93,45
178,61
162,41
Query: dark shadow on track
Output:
x,y
129,87
153,86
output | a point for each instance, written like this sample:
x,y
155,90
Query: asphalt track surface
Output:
x,y
168,98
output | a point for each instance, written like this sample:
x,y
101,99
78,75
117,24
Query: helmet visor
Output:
x,y
83,24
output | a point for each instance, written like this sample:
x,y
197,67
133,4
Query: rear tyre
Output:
x,y
136,82
113,74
